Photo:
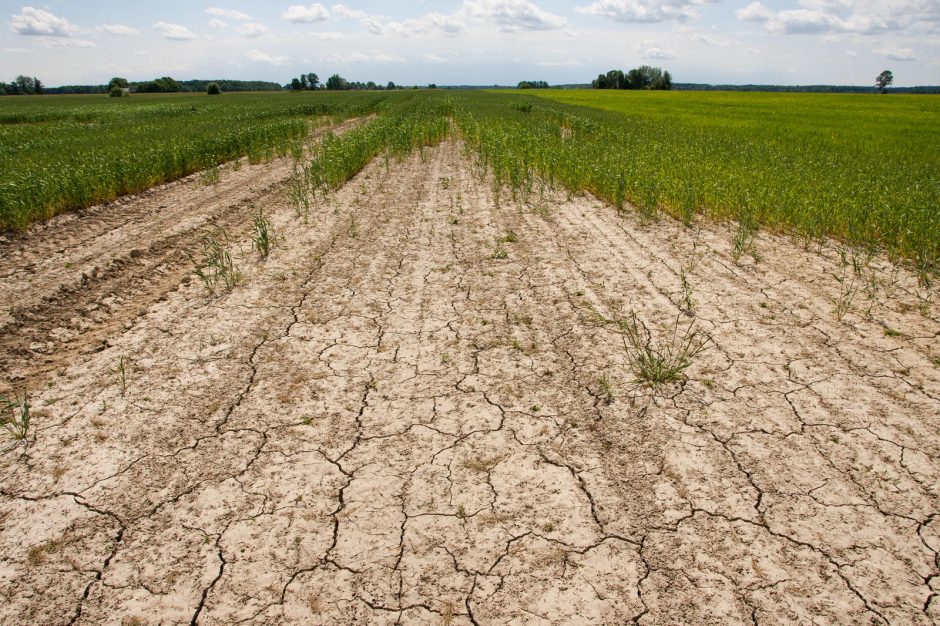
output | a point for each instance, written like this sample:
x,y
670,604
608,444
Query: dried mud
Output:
x,y
386,422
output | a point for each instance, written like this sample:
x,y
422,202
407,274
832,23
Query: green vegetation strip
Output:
x,y
71,152
861,168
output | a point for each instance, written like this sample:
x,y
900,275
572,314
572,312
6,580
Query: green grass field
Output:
x,y
861,168
59,153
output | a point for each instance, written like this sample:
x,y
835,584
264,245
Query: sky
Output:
x,y
478,42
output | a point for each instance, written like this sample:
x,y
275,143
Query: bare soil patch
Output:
x,y
398,417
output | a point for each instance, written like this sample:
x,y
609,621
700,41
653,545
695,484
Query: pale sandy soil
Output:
x,y
383,423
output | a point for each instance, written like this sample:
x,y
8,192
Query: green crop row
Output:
x,y
861,168
406,123
56,158
858,168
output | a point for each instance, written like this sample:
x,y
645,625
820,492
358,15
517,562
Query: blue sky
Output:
x,y
474,41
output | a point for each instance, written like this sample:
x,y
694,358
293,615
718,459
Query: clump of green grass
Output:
x,y
660,361
15,417
215,267
656,360
262,235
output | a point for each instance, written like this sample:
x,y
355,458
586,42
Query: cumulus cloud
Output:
x,y
261,57
429,24
508,15
644,11
229,13
252,30
218,24
299,13
176,32
897,54
512,15
341,11
40,22
118,29
652,50
864,17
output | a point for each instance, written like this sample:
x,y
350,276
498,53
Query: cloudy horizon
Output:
x,y
482,42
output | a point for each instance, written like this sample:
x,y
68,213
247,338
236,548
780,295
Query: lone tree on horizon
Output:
x,y
884,79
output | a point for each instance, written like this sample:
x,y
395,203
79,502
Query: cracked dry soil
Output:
x,y
385,423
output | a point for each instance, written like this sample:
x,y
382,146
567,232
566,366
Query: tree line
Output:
x,y
311,82
643,77
532,84
23,86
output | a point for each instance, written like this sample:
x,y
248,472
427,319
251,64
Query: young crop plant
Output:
x,y
657,360
210,176
262,235
15,417
120,374
742,242
605,390
215,267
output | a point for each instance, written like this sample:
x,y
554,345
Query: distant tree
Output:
x,y
160,85
295,84
117,81
303,82
532,84
390,86
336,83
37,86
884,80
213,89
371,85
116,92
432,86
25,85
643,77
313,81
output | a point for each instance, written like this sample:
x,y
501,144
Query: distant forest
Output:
x,y
183,86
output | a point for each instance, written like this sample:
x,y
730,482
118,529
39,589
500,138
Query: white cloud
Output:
x,y
252,30
512,15
118,29
429,24
708,40
341,11
897,54
32,21
59,42
176,32
644,11
299,13
652,50
864,17
229,13
435,58
367,56
15,50
218,24
260,57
